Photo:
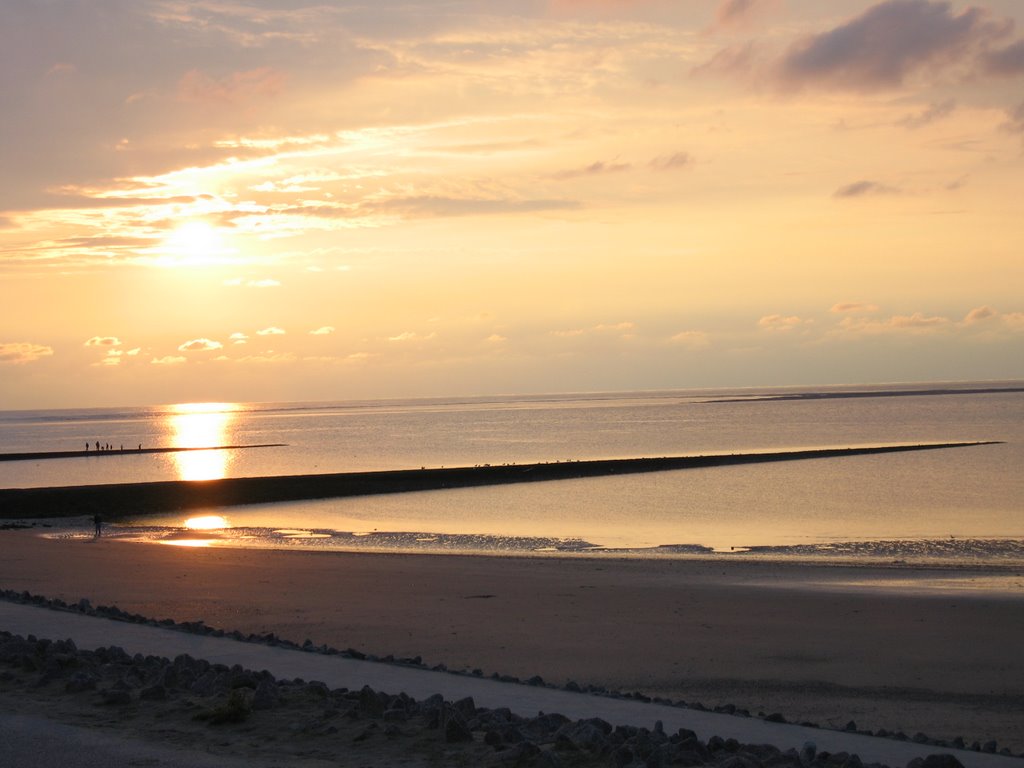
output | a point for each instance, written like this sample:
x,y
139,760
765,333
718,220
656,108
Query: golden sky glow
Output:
x,y
241,200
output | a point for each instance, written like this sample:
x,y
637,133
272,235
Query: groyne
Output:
x,y
107,452
117,500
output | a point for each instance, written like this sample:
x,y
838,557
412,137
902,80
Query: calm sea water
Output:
x,y
963,502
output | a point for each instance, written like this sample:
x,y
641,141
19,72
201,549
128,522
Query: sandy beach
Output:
x,y
905,649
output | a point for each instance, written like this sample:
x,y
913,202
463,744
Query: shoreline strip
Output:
x,y
115,500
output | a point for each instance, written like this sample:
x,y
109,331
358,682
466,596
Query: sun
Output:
x,y
194,243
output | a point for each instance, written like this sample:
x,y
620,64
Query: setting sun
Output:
x,y
195,243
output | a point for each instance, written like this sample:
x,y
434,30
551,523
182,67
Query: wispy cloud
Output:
x,y
324,330
932,113
691,340
271,331
598,168
200,345
20,352
853,306
783,323
889,42
1008,61
864,188
103,341
671,162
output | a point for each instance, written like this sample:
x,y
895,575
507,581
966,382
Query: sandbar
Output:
x,y
813,642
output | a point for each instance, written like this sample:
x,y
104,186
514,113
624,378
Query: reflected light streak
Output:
x,y
207,523
199,425
187,542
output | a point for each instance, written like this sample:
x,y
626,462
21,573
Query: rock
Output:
x,y
370,703
466,707
266,696
455,728
936,761
740,760
519,754
808,752
81,681
115,697
153,693
583,736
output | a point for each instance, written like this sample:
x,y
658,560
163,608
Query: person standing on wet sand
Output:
x,y
98,522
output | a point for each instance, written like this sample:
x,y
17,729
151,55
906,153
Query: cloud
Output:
x,y
734,12
238,338
167,360
671,162
594,169
623,326
324,330
496,338
103,341
200,345
429,205
863,188
691,339
271,331
20,352
624,329
1016,122
931,114
197,86
917,323
889,42
918,320
1006,61
853,306
412,336
782,323
979,315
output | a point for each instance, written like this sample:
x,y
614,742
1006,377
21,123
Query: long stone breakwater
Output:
x,y
122,499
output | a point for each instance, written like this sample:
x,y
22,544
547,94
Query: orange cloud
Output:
x,y
199,345
20,352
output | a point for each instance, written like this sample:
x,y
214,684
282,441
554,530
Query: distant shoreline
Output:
x,y
115,500
844,395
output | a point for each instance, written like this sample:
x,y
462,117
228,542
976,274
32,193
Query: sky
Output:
x,y
268,200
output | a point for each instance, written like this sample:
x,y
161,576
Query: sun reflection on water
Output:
x,y
186,542
207,523
201,425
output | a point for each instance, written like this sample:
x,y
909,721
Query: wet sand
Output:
x,y
906,649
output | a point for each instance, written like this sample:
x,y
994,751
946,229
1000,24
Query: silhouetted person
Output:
x,y
97,446
98,522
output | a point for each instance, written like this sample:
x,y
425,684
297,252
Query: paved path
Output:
x,y
90,633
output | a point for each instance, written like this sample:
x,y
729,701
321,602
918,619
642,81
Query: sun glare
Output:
x,y
207,523
195,243
201,425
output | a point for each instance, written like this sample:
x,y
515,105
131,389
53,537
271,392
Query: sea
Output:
x,y
963,504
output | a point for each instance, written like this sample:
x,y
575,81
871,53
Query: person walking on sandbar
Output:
x,y
98,522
